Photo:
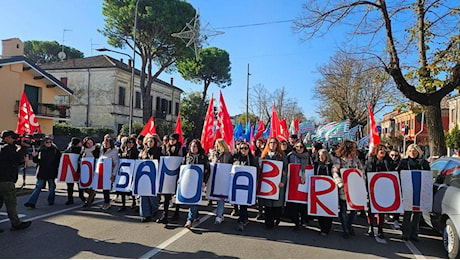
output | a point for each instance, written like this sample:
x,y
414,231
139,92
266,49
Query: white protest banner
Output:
x,y
218,184
145,174
243,184
102,174
296,190
384,192
68,164
190,184
86,172
168,172
417,187
355,189
123,180
323,196
270,178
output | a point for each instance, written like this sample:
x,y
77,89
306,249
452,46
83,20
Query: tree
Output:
x,y
47,51
192,124
261,102
453,138
348,84
426,29
212,66
156,21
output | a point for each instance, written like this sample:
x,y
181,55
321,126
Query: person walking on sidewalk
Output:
x,y
10,158
47,159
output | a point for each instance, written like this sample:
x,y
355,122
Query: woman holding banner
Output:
x,y
377,162
274,208
245,157
108,150
149,204
323,166
414,161
347,157
222,154
172,148
298,211
75,147
195,155
128,150
90,149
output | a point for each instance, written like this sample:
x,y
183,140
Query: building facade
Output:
x,y
101,88
46,94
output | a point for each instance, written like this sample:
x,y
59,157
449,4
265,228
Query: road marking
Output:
x,y
48,214
414,250
7,219
172,239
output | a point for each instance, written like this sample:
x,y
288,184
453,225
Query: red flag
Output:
x,y
27,123
374,138
207,136
283,134
260,129
149,128
178,129
224,128
296,125
252,145
275,124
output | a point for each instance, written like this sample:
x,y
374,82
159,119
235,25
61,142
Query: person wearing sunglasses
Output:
x,y
395,157
47,159
245,157
274,208
297,211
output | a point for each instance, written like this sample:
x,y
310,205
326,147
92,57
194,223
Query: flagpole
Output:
x,y
247,97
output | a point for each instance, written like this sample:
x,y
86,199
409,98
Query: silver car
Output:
x,y
445,217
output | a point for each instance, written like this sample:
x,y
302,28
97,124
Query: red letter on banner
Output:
x,y
396,202
90,170
345,176
274,172
314,194
67,164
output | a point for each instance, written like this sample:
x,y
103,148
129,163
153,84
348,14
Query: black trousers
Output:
x,y
70,190
272,216
297,212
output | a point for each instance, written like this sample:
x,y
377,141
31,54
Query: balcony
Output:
x,y
47,110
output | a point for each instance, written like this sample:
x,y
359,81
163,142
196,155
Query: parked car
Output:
x,y
445,217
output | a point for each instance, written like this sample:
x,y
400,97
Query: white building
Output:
x,y
101,87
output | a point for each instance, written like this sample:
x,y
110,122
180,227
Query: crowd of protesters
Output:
x,y
324,160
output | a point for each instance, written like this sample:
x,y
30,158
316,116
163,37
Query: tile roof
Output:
x,y
36,69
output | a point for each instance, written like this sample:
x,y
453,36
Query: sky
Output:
x,y
276,55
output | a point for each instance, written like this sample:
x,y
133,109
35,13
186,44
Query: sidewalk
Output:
x,y
27,185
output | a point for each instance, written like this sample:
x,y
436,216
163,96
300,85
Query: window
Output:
x,y
64,80
158,105
177,109
138,100
169,107
33,95
121,95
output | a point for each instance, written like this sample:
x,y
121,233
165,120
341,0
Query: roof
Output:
x,y
99,61
37,70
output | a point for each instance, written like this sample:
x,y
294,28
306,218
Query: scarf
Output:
x,y
303,157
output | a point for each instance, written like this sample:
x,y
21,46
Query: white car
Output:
x,y
445,217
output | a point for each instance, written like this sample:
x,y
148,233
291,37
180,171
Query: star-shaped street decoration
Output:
x,y
196,35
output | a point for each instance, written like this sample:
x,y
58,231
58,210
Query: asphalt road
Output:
x,y
61,231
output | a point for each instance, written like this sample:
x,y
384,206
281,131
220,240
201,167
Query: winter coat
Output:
x,y
344,163
9,162
47,161
282,191
198,159
113,154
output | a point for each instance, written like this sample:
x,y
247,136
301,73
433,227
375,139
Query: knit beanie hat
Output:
x,y
75,141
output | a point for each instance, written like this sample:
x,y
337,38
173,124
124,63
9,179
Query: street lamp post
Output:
x,y
131,87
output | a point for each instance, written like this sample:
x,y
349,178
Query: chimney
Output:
x,y
172,81
12,47
130,63
121,60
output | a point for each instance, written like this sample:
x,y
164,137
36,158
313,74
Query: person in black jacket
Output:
x,y
377,162
47,159
414,161
128,152
75,147
323,166
10,158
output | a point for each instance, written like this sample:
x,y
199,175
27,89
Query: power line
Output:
x,y
255,24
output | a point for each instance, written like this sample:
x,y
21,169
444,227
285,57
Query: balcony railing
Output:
x,y
48,110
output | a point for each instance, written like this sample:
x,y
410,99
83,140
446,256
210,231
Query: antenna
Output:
x,y
62,54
